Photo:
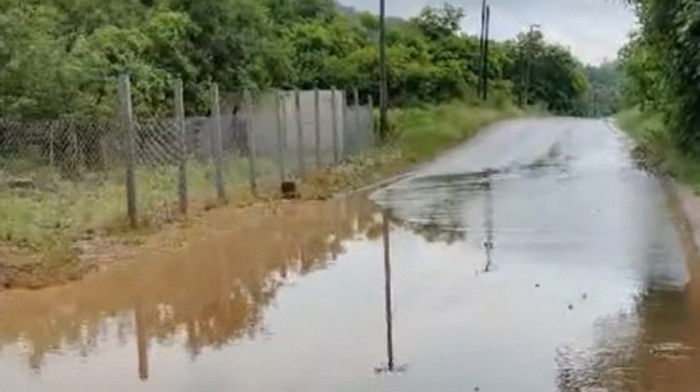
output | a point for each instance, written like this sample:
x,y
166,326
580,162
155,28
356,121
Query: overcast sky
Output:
x,y
593,29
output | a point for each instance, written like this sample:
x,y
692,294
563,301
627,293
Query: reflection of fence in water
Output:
x,y
198,301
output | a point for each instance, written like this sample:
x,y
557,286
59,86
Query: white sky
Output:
x,y
593,29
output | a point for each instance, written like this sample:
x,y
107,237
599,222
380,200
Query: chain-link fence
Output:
x,y
68,146
90,173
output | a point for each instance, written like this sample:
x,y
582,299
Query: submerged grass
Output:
x,y
655,148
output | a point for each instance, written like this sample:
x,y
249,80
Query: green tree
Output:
x,y
546,73
662,65
255,44
604,96
439,22
293,11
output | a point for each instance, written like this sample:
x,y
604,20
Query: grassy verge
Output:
x,y
422,133
655,149
45,229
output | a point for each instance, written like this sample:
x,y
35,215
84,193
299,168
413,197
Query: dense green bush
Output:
x,y
62,57
662,66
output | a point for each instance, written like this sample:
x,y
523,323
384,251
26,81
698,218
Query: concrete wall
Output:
x,y
353,127
354,131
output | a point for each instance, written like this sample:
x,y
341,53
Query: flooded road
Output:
x,y
535,258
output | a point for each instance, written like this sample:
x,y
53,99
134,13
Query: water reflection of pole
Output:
x,y
336,233
488,216
141,343
387,294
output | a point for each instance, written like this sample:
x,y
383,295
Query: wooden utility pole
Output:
x,y
384,86
528,75
481,48
485,68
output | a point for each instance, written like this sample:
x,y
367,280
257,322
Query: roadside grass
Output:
x,y
423,132
46,219
655,148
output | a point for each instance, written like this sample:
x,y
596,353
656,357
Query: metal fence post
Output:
x,y
103,152
334,117
216,140
356,101
75,151
51,147
127,120
280,136
250,131
346,125
317,128
182,133
300,135
285,122
370,103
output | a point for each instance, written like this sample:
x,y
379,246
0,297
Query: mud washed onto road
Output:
x,y
536,258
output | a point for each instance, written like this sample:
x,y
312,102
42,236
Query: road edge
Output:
x,y
684,204
416,167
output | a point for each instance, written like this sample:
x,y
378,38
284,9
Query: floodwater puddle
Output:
x,y
562,273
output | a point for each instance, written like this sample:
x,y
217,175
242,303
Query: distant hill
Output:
x,y
346,9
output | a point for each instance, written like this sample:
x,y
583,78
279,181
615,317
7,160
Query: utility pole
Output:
x,y
596,109
383,87
485,77
481,47
529,61
521,90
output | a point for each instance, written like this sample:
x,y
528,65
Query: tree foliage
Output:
x,y
604,96
545,73
62,57
662,65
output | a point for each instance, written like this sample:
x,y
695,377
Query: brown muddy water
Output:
x,y
535,258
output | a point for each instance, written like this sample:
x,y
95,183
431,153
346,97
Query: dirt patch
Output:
x,y
21,269
686,207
